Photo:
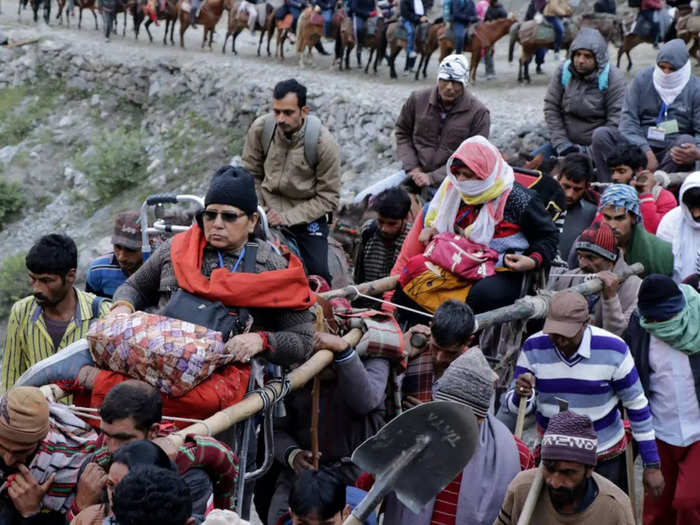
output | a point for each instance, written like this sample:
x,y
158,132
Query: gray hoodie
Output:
x,y
642,102
573,112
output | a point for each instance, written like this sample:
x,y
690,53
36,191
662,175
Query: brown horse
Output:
x,y
209,15
237,23
429,47
80,4
397,43
309,33
526,34
345,41
632,40
283,27
485,34
152,11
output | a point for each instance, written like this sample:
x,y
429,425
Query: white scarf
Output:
x,y
686,242
446,202
670,85
418,7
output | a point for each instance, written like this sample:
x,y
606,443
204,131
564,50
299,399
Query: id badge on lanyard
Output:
x,y
663,126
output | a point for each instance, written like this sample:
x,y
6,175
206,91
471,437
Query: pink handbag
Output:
x,y
461,257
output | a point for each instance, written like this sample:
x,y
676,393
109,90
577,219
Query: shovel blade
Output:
x,y
452,432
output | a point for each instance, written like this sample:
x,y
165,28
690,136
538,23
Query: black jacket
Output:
x,y
637,338
362,8
408,13
495,12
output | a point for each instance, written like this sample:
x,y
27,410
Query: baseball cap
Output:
x,y
567,314
127,230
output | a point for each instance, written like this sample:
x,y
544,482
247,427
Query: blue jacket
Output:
x,y
104,276
462,11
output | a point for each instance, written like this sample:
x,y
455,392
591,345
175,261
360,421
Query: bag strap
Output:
x,y
268,132
251,252
312,132
96,304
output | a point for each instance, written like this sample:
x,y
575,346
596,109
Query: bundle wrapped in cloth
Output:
x,y
170,354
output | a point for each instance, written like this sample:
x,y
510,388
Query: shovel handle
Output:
x,y
520,422
532,497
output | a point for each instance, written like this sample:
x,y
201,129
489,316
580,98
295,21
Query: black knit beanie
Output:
x,y
233,186
659,297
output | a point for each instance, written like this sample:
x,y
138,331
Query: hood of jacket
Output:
x,y
591,40
674,52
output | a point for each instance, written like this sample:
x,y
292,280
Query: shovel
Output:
x,y
416,454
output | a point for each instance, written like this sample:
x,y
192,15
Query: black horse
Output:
x,y
36,5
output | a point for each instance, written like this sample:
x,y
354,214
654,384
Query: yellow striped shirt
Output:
x,y
28,340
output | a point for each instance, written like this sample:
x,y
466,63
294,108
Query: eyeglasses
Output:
x,y
226,216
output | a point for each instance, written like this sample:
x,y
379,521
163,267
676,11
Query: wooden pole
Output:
x,y
377,287
534,307
520,422
532,496
253,404
316,399
631,482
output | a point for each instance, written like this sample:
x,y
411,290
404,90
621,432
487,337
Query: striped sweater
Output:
x,y
594,380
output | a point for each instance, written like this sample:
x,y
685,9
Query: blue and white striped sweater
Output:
x,y
599,376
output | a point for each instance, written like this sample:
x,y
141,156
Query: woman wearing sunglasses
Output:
x,y
268,292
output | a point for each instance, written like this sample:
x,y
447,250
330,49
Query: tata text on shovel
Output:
x,y
416,455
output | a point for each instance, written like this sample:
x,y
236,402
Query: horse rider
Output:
x,y
412,14
459,14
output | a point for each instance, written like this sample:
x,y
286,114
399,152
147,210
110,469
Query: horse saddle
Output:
x,y
316,19
371,26
286,22
421,34
543,33
400,33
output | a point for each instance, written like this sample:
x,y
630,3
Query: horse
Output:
x,y
152,11
35,5
396,44
81,4
238,22
309,33
632,40
526,34
609,26
345,41
484,35
283,27
209,15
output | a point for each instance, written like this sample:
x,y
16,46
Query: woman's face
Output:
x,y
463,173
116,473
227,227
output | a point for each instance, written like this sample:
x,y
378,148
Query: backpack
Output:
x,y
602,78
312,132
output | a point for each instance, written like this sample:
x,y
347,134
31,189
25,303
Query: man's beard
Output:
x,y
562,497
45,302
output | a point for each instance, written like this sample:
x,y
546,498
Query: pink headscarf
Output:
x,y
481,9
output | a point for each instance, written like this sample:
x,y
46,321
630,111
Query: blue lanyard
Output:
x,y
235,266
663,113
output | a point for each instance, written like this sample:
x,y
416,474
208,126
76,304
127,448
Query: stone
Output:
x,y
7,153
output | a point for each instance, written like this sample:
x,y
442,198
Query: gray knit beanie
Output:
x,y
468,380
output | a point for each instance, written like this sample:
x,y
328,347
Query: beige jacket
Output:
x,y
285,182
613,314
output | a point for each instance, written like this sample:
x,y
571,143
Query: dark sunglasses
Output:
x,y
226,216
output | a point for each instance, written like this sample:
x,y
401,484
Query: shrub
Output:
x,y
11,200
117,163
13,282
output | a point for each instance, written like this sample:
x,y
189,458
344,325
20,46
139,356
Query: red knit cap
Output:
x,y
599,239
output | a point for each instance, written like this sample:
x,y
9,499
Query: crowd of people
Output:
x,y
464,232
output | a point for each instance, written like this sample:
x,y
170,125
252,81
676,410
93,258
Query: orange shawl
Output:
x,y
287,288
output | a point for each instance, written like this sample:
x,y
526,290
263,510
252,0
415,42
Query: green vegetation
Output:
x,y
23,107
11,200
117,162
13,282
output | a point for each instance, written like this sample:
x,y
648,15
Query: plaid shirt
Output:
x,y
419,377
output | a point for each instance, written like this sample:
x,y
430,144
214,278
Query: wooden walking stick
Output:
x,y
631,484
520,422
316,398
